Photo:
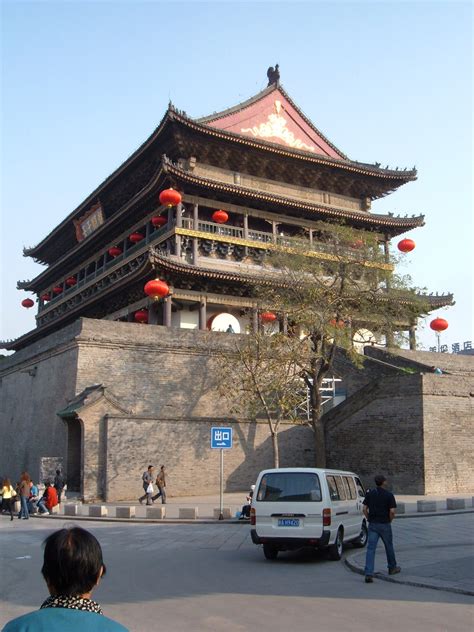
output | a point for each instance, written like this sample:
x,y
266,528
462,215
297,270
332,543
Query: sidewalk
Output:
x,y
436,553
206,504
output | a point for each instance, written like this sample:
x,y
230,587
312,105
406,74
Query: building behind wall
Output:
x,y
108,394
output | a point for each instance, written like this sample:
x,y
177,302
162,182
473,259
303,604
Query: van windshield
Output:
x,y
289,487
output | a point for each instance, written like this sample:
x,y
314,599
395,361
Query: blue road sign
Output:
x,y
221,437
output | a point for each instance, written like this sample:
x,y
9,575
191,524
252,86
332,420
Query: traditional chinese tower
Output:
x,y
248,177
110,379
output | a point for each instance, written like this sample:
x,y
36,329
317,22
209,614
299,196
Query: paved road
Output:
x,y
185,578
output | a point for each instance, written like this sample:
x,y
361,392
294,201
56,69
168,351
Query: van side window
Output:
x,y
333,491
351,487
360,488
340,488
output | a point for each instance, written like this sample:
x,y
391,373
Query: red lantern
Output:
x,y
141,316
70,281
439,324
268,317
57,289
46,297
406,245
159,221
170,197
220,217
156,289
27,302
135,237
115,251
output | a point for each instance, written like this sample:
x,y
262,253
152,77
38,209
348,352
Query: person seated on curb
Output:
x,y
33,499
48,500
73,566
245,513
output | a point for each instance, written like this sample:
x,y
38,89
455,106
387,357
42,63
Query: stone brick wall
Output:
x,y
380,430
450,362
183,445
34,384
448,407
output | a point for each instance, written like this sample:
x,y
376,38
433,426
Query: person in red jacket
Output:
x,y
49,499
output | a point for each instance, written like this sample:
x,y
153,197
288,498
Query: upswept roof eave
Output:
x,y
387,221
243,105
34,285
345,164
34,250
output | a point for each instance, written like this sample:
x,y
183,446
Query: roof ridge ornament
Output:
x,y
273,75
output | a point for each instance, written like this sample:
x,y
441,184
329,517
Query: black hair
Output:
x,y
379,479
150,466
58,472
72,561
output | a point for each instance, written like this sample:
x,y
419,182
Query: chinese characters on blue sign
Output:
x,y
455,347
221,437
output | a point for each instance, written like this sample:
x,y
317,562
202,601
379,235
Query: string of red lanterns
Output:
x,y
158,221
135,238
268,317
156,289
141,316
406,245
170,197
115,251
439,324
220,217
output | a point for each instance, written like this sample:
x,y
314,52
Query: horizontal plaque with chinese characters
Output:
x,y
89,222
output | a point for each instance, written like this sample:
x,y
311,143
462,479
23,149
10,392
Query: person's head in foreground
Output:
x,y
72,567
73,563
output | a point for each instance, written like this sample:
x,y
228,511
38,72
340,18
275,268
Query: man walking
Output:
x,y
161,484
147,479
379,509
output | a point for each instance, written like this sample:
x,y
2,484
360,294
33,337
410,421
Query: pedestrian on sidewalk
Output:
x,y
147,479
59,483
8,496
161,484
379,509
24,490
72,568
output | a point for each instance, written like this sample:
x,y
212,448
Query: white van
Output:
x,y
302,506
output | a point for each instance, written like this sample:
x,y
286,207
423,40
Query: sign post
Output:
x,y
221,439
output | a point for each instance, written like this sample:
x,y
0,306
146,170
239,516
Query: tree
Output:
x,y
326,296
258,374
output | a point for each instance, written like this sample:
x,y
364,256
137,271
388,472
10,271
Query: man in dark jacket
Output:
x,y
379,509
59,484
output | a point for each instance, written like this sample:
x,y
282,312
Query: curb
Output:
x,y
430,514
408,582
49,517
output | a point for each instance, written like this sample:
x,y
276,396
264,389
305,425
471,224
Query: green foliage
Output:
x,y
342,286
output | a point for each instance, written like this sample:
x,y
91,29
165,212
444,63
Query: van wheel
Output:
x,y
270,551
361,541
335,550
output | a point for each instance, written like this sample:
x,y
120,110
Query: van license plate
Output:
x,y
288,522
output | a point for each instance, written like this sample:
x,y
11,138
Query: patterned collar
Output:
x,y
68,601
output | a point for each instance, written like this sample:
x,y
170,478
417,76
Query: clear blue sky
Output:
x,y
84,83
